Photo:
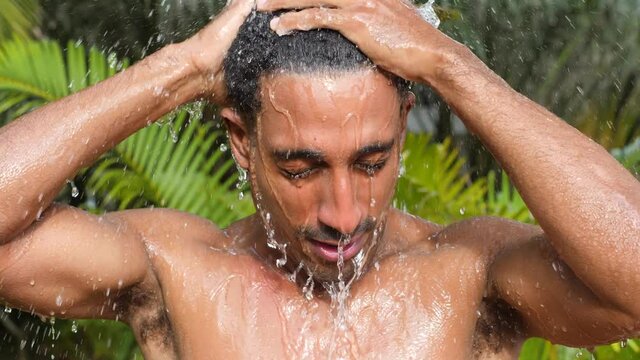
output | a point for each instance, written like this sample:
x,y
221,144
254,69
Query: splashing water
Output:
x,y
307,290
428,13
242,180
271,237
74,189
339,292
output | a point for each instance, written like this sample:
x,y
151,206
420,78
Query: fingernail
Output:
x,y
274,23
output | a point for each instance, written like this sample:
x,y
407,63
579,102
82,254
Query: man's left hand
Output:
x,y
390,32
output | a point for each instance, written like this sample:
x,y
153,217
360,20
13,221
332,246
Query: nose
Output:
x,y
339,208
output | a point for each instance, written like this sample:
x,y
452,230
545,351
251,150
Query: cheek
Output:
x,y
381,188
290,205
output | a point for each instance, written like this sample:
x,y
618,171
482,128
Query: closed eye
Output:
x,y
297,174
371,168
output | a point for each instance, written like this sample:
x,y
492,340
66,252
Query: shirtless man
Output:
x,y
322,143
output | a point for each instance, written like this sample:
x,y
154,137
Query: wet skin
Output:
x,y
190,290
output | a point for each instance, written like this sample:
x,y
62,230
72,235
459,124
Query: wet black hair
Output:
x,y
259,51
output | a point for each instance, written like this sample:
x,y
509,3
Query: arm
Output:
x,y
588,206
43,149
575,282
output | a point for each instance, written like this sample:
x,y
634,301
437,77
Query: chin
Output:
x,y
327,272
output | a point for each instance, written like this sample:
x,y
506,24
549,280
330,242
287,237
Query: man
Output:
x,y
325,269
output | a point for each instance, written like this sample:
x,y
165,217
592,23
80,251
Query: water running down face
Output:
x,y
320,130
324,159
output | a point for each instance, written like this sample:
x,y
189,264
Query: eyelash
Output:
x,y
372,169
297,175
369,169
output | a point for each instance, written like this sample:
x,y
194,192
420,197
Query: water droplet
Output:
x,y
242,178
241,195
403,170
112,59
372,203
7,310
224,148
32,282
39,214
623,343
59,300
462,211
74,327
172,132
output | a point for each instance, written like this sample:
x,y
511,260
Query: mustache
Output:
x,y
325,232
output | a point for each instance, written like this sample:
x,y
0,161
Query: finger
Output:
x,y
314,18
273,5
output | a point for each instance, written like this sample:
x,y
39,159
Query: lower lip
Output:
x,y
330,253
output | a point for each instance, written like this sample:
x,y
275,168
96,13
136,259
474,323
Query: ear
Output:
x,y
408,103
238,136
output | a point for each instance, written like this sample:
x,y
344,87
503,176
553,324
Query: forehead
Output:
x,y
316,109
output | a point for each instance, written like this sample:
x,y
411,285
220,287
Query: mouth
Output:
x,y
329,250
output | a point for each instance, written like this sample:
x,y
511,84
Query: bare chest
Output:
x,y
405,309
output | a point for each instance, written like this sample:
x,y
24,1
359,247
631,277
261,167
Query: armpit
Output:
x,y
499,329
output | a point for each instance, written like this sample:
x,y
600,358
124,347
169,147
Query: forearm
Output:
x,y
587,204
41,150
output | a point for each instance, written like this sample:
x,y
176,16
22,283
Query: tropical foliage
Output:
x,y
18,18
181,161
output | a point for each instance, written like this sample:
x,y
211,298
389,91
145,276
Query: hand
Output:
x,y
390,32
209,46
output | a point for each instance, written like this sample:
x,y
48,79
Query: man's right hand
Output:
x,y
209,46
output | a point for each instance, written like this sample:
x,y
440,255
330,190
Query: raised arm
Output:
x,y
588,206
66,254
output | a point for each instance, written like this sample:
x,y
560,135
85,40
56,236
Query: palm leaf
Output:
x,y
174,165
18,18
434,185
507,202
33,73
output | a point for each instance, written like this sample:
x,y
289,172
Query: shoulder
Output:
x,y
160,225
489,233
492,234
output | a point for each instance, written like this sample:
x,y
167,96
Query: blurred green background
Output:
x,y
581,59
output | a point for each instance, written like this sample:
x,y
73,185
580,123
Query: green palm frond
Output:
x,y
435,185
540,349
33,73
507,202
174,165
18,18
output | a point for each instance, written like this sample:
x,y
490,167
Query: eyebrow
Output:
x,y
317,156
379,147
297,154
